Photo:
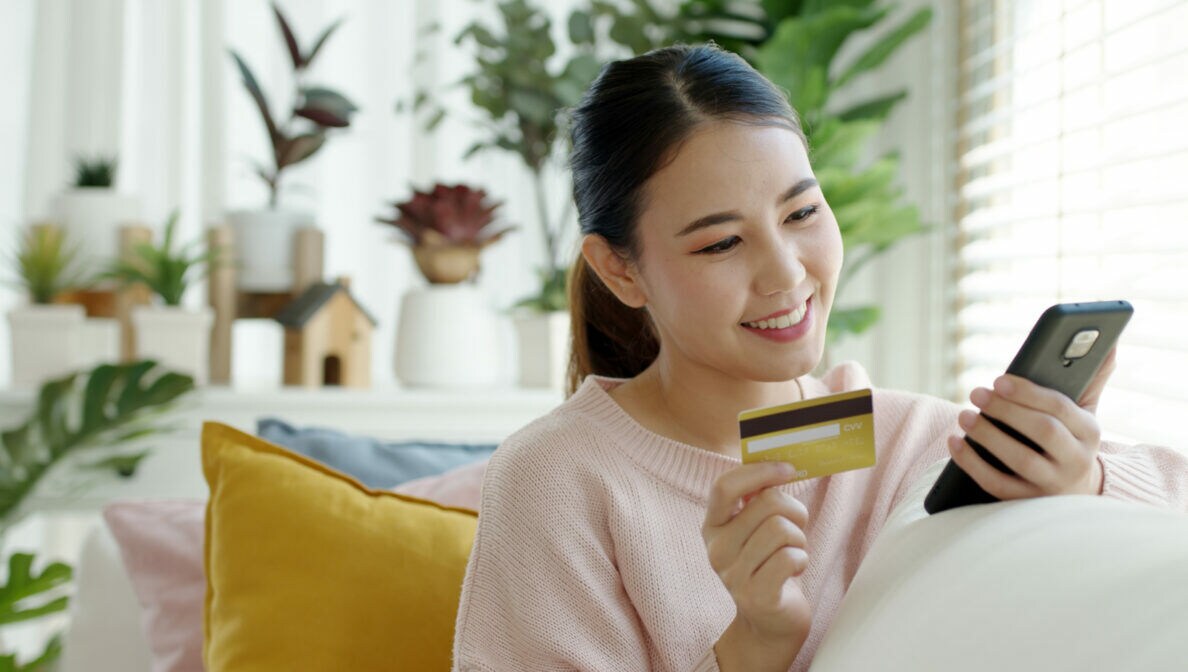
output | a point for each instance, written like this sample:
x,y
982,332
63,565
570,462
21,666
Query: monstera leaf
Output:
x,y
43,663
18,597
103,408
90,411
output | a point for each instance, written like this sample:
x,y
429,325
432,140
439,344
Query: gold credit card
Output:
x,y
820,436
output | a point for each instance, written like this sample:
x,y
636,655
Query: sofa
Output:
x,y
1063,583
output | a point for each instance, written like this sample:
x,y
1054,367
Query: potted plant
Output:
x,y
522,95
264,238
446,228
83,421
47,337
92,211
165,331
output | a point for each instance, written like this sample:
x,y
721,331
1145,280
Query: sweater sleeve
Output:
x,y
542,589
1149,474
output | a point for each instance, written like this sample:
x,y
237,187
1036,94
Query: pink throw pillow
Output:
x,y
161,544
457,487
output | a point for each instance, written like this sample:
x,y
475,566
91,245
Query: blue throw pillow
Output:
x,y
376,464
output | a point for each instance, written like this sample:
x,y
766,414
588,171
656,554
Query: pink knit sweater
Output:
x,y
589,553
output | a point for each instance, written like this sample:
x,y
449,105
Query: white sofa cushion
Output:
x,y
1059,583
105,633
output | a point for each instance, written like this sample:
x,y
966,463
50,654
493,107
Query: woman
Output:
x,y
620,532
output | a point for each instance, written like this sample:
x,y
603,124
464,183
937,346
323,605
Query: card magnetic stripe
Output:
x,y
801,417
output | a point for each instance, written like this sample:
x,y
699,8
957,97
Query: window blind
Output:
x,y
1073,186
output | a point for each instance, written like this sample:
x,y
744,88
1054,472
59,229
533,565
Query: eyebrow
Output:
x,y
732,215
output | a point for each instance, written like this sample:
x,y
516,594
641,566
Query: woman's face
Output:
x,y
739,254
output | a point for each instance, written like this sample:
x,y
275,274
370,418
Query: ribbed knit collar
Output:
x,y
688,468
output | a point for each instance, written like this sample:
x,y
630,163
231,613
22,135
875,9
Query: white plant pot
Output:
x,y
46,342
264,243
543,348
177,338
91,218
448,337
100,342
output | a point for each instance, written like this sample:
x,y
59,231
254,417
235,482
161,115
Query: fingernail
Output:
x,y
1004,386
787,468
966,419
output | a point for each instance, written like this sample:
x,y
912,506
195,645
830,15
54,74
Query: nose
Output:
x,y
779,267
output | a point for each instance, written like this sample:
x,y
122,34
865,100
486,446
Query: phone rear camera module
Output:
x,y
1081,343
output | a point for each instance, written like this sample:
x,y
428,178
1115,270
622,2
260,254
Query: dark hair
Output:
x,y
628,125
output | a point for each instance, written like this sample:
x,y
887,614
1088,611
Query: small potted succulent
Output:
x,y
47,337
446,228
166,332
92,211
264,238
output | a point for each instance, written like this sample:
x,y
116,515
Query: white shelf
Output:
x,y
173,468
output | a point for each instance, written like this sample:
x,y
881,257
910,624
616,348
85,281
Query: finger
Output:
x,y
724,543
734,484
1027,463
1021,391
993,481
773,534
783,564
1092,394
1045,431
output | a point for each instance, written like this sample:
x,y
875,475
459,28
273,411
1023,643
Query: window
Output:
x,y
1073,185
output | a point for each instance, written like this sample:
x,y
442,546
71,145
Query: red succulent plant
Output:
x,y
447,216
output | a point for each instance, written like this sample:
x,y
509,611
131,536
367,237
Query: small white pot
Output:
x,y
47,342
264,243
448,337
177,338
544,346
91,218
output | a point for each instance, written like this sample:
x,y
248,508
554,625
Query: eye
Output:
x,y
723,245
802,214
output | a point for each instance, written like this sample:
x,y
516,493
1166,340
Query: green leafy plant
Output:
x,y
167,272
46,264
522,94
796,44
99,171
92,413
315,109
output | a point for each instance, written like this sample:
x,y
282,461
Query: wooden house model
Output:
x,y
327,337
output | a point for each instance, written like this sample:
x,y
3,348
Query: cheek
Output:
x,y
828,254
702,293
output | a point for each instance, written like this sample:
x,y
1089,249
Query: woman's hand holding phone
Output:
x,y
754,537
1068,433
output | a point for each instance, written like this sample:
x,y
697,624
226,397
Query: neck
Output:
x,y
699,406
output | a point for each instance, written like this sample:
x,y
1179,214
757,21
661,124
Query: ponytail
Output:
x,y
609,337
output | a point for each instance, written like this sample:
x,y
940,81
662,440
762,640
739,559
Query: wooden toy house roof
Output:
x,y
304,307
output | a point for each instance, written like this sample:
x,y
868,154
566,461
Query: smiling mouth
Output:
x,y
784,320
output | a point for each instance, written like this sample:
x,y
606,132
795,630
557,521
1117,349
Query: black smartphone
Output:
x,y
1064,351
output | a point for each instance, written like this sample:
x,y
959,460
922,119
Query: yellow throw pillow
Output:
x,y
307,569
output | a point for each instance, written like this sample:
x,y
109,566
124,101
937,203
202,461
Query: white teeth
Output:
x,y
783,321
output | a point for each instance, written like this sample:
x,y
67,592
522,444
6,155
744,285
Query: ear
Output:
x,y
615,271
